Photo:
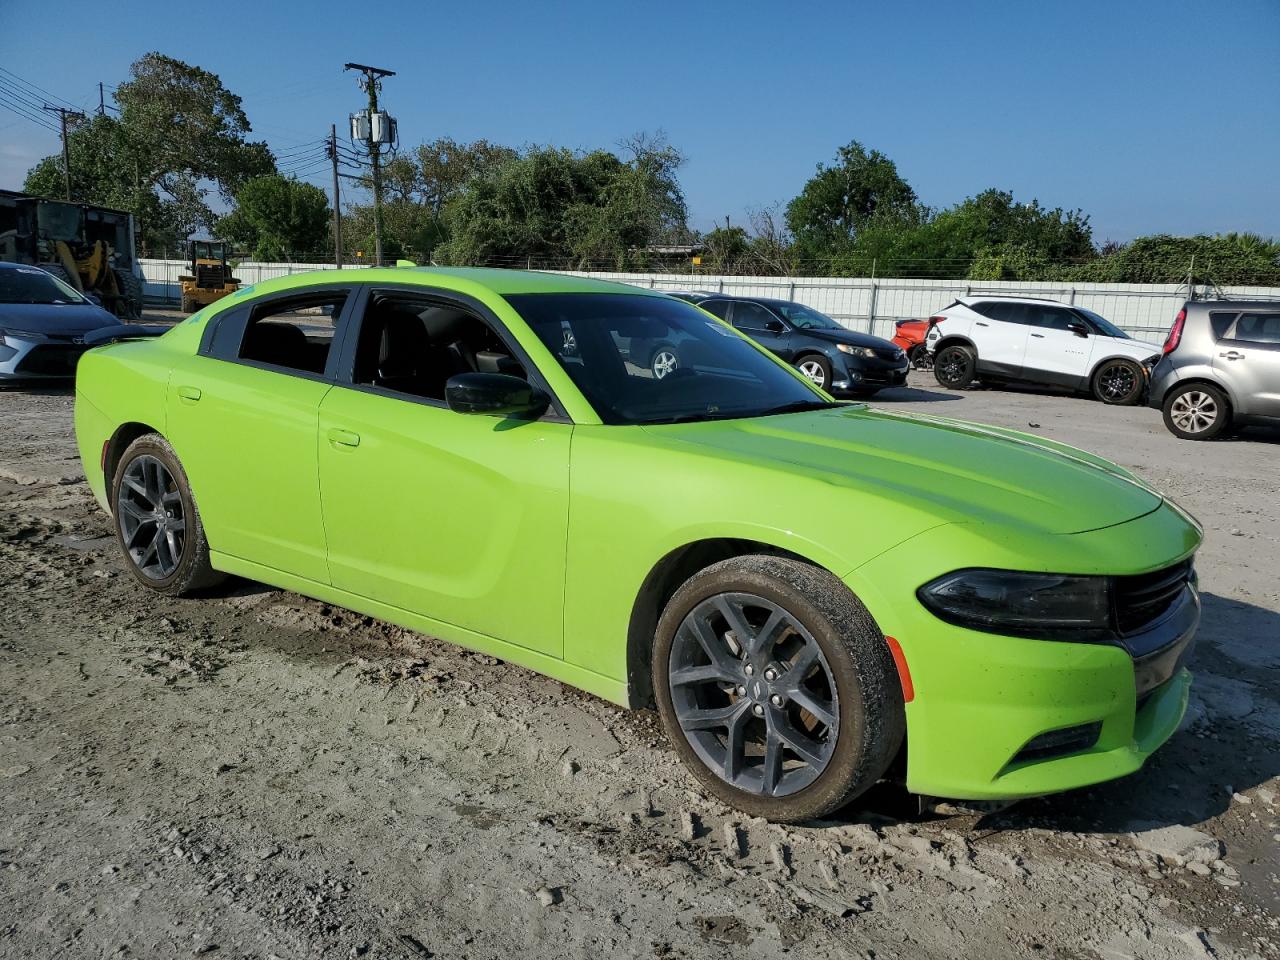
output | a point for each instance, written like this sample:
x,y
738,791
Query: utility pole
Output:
x,y
102,101
63,113
372,83
337,214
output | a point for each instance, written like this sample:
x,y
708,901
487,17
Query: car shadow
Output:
x,y
40,388
1228,743
912,395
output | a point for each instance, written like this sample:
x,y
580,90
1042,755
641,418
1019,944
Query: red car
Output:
x,y
910,336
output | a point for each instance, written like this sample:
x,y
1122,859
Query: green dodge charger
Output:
x,y
803,588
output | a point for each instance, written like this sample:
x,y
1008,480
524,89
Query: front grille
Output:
x,y
894,354
209,277
1141,600
53,360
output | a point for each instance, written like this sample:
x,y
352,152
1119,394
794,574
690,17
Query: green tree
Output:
x,y
278,218
1227,259
860,189
180,134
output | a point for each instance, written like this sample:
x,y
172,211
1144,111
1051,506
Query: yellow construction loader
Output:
x,y
210,278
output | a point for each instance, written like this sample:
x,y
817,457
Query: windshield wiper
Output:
x,y
797,406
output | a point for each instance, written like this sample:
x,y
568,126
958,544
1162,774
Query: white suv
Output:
x,y
1037,341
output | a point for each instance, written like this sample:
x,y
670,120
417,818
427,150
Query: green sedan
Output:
x,y
806,590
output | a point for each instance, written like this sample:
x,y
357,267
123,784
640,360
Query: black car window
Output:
x,y
1257,328
1220,323
33,285
294,333
998,310
751,316
413,345
719,308
1048,317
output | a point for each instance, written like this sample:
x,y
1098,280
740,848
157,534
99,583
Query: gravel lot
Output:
x,y
254,774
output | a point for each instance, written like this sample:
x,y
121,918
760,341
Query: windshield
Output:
x,y
806,318
641,359
1105,326
33,285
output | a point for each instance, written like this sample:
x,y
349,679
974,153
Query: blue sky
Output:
x,y
1150,116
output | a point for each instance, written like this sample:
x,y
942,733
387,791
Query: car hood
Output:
x,y
955,472
850,337
55,318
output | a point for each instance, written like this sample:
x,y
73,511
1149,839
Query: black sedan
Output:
x,y
43,323
838,360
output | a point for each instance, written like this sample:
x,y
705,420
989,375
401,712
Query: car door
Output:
x,y
457,517
1248,358
242,418
1059,346
761,325
1000,334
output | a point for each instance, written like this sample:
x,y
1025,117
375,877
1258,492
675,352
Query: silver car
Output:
x,y
1220,368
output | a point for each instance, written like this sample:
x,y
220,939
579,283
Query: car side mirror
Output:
x,y
495,394
775,326
1079,329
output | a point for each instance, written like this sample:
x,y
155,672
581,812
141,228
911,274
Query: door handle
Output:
x,y
1038,336
344,438
189,394
981,324
1232,355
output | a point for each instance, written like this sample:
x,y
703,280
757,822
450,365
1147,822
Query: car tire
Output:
x,y
1119,382
188,304
826,652
817,369
664,361
954,366
168,554
1197,411
919,359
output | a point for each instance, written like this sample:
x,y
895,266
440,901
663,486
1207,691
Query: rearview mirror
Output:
x,y
495,394
1079,329
774,326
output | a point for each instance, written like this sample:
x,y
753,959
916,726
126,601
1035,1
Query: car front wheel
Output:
x,y
157,524
1119,382
1196,411
776,688
817,369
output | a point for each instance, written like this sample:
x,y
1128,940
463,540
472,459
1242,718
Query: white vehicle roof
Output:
x,y
983,297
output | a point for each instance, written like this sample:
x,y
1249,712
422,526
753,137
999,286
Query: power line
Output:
x,y
26,113
40,92
63,113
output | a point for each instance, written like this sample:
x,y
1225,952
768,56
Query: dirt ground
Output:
x,y
254,774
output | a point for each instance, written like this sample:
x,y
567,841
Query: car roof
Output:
x,y
984,297
461,279
1234,304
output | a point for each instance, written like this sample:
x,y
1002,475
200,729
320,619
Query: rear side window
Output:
x,y
718,307
1257,328
294,334
1006,312
1221,323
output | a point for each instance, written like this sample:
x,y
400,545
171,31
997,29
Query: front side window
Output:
x,y
294,334
1257,328
413,345
719,374
751,316
1101,324
33,285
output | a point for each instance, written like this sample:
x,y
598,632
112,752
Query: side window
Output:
x,y
1221,323
1054,318
413,345
293,334
751,316
1257,328
718,307
1006,312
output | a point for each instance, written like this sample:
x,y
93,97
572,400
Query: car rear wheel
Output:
x,y
919,358
776,688
1196,411
817,369
954,367
157,524
665,361
1119,382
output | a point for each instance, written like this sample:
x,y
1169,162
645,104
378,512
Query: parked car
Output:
x,y
690,296
838,360
1021,339
1220,368
43,321
798,584
910,336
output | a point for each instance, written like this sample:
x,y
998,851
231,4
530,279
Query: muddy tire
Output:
x,y
156,521
776,687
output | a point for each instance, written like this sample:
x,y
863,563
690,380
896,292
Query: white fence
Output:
x,y
1145,310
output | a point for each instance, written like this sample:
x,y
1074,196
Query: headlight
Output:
x,y
856,351
1047,606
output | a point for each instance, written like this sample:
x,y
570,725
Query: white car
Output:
x,y
1020,339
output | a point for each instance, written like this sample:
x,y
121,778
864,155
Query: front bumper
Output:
x,y
862,375
29,356
985,703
